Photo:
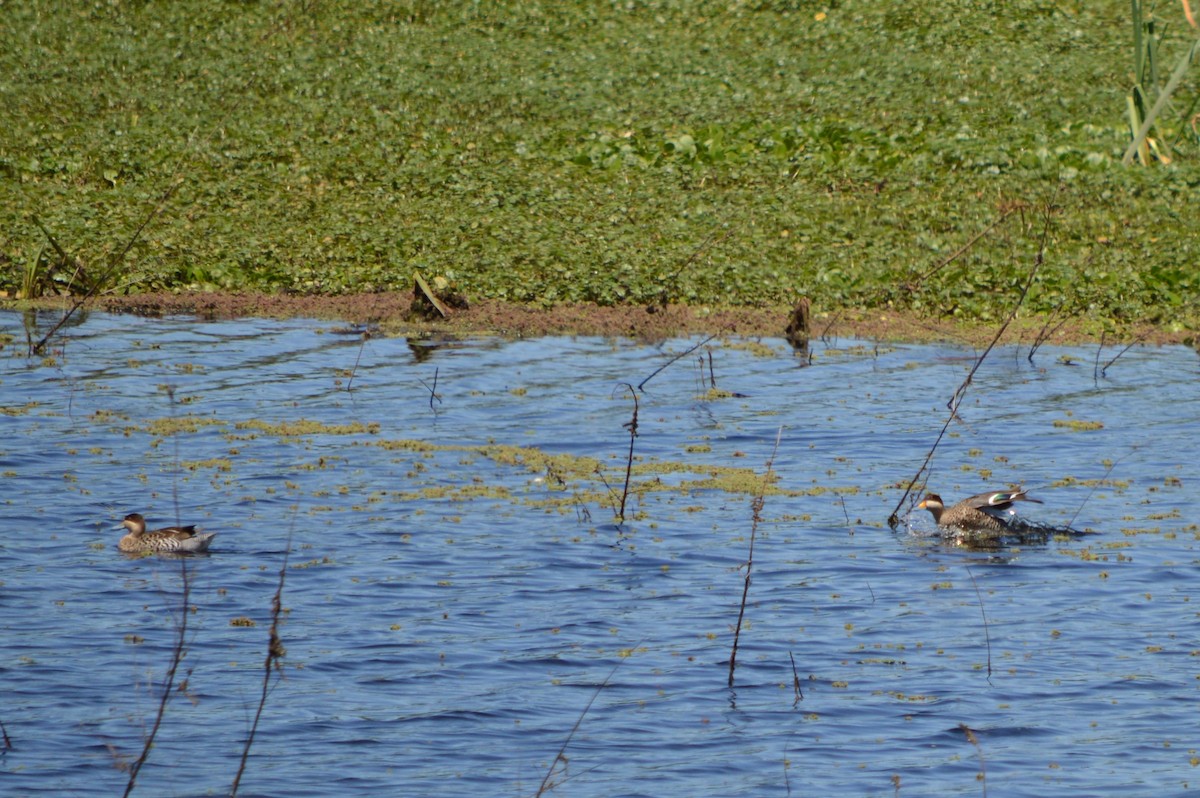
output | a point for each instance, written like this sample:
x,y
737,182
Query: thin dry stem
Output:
x,y
433,394
632,426
562,750
756,506
986,635
974,740
663,367
178,652
272,665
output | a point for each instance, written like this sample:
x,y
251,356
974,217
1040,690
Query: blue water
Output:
x,y
449,613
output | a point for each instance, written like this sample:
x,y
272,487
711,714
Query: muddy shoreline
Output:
x,y
394,313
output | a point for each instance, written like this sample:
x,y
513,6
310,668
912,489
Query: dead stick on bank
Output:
x,y
756,507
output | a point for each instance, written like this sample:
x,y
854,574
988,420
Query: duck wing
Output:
x,y
197,542
997,500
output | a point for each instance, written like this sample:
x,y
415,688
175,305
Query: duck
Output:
x,y
171,539
985,512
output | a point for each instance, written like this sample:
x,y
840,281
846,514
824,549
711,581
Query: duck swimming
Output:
x,y
987,512
175,539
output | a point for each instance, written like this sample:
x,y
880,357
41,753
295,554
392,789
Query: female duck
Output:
x,y
176,539
987,512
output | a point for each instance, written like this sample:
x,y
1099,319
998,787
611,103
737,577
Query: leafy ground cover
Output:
x,y
614,153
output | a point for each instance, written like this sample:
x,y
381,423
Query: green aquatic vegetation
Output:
x,y
314,563
535,460
408,445
217,464
305,428
804,157
174,425
1117,484
18,410
584,480
1077,425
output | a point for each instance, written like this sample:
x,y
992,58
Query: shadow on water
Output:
x,y
459,591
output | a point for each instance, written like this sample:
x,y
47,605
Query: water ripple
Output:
x,y
450,610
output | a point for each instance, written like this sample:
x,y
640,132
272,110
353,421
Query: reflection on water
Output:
x,y
457,591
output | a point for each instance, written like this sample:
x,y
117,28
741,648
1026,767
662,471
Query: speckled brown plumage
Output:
x,y
177,539
985,512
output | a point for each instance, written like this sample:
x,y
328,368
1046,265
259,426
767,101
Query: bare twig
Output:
x,y
795,682
953,256
845,512
561,755
271,666
1099,482
178,651
986,635
1049,329
756,506
358,359
672,280
1096,364
8,743
113,263
824,336
433,394
1103,370
973,740
612,493
582,514
663,367
632,426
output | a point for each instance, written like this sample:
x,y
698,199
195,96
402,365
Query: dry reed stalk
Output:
x,y
632,426
756,506
271,665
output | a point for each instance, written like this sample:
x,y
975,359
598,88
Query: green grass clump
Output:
x,y
735,152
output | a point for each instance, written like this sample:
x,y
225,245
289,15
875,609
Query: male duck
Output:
x,y
176,539
987,512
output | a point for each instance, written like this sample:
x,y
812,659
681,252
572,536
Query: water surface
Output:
x,y
453,602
